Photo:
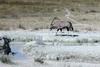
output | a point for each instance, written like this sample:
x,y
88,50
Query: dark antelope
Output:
x,y
59,25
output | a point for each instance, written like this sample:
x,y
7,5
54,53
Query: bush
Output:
x,y
5,59
93,11
72,9
82,41
21,27
39,60
36,28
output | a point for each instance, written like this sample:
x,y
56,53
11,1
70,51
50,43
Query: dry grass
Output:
x,y
24,23
38,14
36,23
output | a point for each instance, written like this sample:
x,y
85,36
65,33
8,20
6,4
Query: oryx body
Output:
x,y
59,25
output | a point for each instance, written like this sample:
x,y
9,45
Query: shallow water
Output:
x,y
18,55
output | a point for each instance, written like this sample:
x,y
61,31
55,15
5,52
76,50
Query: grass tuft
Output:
x,y
5,59
39,60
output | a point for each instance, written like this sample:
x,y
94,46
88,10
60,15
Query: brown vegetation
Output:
x,y
37,14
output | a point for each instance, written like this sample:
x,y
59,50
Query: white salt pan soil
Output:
x,y
73,49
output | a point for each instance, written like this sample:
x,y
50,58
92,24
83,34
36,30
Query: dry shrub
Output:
x,y
5,59
39,60
36,28
93,11
21,27
72,9
82,41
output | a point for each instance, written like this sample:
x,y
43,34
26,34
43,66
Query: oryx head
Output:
x,y
52,24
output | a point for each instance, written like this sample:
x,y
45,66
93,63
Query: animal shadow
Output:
x,y
67,35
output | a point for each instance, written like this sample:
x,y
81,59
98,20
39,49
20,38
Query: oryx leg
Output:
x,y
67,29
57,31
61,31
